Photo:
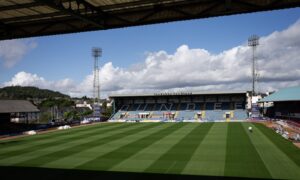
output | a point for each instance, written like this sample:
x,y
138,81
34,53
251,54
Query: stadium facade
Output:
x,y
183,106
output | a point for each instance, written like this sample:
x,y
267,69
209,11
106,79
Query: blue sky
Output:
x,y
69,56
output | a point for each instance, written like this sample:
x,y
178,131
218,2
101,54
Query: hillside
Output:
x,y
20,92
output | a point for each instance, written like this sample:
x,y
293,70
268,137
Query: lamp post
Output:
x,y
96,52
253,42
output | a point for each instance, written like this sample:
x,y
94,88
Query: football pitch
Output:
x,y
150,149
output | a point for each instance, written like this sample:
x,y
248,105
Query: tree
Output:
x,y
45,117
107,112
87,113
72,115
104,106
28,92
85,98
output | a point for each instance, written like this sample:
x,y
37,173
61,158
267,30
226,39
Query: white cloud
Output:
x,y
12,51
198,69
194,69
27,79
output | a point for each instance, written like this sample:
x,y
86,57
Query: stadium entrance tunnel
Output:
x,y
32,173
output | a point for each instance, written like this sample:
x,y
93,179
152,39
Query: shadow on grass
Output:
x,y
8,172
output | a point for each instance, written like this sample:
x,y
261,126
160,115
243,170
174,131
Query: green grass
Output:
x,y
207,149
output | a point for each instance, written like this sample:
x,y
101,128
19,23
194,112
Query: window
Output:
x,y
238,105
218,106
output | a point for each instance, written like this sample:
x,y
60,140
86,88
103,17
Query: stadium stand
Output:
x,y
285,104
18,111
217,106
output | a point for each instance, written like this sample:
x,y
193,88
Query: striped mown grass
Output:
x,y
242,158
175,160
201,149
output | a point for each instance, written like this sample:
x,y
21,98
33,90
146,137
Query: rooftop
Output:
x,y
286,94
178,94
12,106
29,18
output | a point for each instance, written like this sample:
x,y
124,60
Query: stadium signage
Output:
x,y
172,94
